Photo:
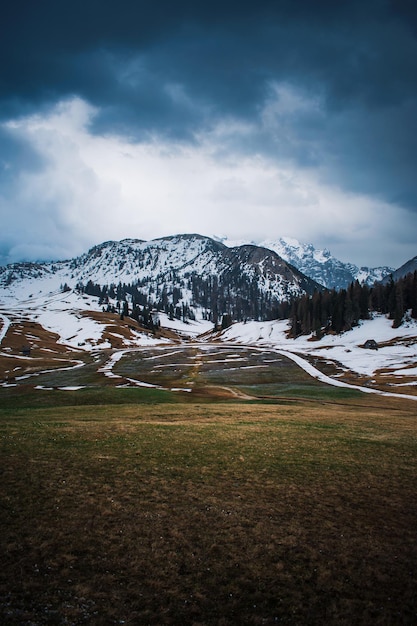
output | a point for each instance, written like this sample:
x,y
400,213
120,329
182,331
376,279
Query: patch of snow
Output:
x,y
192,328
344,349
5,326
315,373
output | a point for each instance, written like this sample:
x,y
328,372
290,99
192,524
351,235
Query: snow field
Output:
x,y
344,349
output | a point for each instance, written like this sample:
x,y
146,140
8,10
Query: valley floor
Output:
x,y
60,346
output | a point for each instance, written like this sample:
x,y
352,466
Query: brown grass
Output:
x,y
45,351
116,329
209,514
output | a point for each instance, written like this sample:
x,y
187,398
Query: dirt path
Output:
x,y
234,392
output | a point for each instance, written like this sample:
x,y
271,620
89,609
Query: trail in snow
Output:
x,y
107,368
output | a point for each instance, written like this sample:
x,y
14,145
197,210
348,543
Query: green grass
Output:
x,y
26,397
145,512
310,389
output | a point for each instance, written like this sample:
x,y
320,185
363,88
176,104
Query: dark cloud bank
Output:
x,y
174,69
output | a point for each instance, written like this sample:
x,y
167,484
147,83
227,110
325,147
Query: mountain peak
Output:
x,y
319,264
185,270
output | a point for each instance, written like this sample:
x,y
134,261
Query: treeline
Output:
x,y
119,292
235,295
239,298
131,301
338,311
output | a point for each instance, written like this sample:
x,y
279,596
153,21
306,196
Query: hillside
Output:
x,y
181,273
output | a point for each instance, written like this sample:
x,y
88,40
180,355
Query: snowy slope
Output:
x,y
397,352
179,270
320,265
191,264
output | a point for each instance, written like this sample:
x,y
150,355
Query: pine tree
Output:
x,y
399,306
414,296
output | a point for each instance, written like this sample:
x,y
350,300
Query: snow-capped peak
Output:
x,y
318,264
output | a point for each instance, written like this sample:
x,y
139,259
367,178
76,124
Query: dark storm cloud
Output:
x,y
176,68
223,52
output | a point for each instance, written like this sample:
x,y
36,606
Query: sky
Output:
x,y
250,120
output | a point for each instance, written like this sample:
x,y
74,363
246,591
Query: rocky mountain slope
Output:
x,y
407,268
321,265
170,273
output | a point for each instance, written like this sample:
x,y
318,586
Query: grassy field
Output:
x,y
139,506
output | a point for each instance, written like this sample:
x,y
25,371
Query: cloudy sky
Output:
x,y
251,120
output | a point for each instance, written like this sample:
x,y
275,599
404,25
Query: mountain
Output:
x,y
182,275
407,268
320,265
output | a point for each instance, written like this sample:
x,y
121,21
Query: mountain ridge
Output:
x,y
180,270
315,263
319,264
407,268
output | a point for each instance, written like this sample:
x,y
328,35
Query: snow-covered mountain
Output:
x,y
191,270
320,265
